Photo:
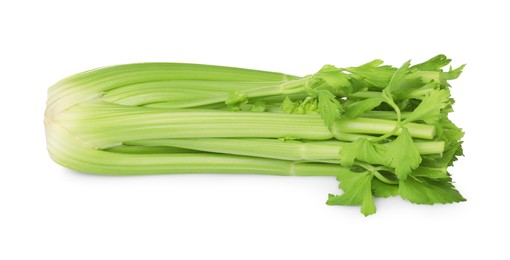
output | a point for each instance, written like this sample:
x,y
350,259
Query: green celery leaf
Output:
x,y
429,110
396,78
452,73
423,88
357,191
422,190
406,85
236,98
358,85
259,106
329,107
349,152
433,64
306,106
357,108
288,106
373,73
371,64
403,154
448,132
431,172
451,153
363,150
334,78
383,190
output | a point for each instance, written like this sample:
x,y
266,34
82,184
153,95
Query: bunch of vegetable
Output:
x,y
382,131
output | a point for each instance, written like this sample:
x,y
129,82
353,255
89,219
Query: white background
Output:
x,y
48,212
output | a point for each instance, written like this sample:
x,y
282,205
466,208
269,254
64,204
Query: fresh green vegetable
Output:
x,y
382,131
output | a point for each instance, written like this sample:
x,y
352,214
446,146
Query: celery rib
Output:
x,y
270,148
128,124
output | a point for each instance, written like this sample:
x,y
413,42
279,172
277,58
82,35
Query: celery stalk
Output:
x,y
381,130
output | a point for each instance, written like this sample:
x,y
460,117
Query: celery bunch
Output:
x,y
382,131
